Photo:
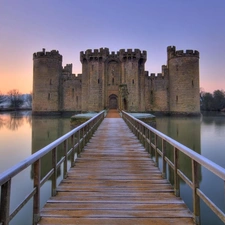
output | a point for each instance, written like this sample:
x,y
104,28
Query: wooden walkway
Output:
x,y
114,182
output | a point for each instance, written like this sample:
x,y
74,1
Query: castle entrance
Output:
x,y
113,102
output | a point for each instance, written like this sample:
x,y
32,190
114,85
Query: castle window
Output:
x,y
50,81
177,99
192,83
49,96
133,81
151,97
77,99
98,80
72,92
113,81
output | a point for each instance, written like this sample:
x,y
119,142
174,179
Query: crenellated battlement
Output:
x,y
96,54
103,53
130,54
68,68
172,53
44,54
156,76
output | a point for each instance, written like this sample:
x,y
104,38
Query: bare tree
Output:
x,y
16,98
3,98
28,100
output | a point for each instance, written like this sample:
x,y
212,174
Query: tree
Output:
x,y
3,98
16,98
28,100
207,101
218,100
212,102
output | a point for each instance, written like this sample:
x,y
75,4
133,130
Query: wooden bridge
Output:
x,y
114,180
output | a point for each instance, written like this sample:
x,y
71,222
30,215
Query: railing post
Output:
x,y
150,143
73,151
37,186
84,138
65,148
78,141
196,199
176,177
142,135
163,160
54,175
156,153
5,203
146,139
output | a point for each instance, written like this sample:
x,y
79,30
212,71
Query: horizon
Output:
x,y
74,26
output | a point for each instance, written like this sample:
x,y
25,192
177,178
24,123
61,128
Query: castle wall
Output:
x,y
72,98
158,93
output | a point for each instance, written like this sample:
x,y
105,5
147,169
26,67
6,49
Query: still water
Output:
x,y
21,135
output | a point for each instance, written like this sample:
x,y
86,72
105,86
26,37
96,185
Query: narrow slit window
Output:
x,y
151,97
177,99
192,83
113,80
133,81
72,92
49,96
50,81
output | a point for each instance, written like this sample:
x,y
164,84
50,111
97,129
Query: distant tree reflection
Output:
x,y
14,121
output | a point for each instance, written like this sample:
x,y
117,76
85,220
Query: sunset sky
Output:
x,y
71,26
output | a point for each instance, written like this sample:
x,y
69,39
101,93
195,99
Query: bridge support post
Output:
x,y
54,175
163,160
176,177
196,199
65,148
5,203
156,153
37,186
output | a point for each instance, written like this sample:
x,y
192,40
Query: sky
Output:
x,y
71,26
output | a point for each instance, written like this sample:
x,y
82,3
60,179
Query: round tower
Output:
x,y
47,68
183,90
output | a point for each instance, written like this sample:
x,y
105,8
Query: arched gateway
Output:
x,y
113,101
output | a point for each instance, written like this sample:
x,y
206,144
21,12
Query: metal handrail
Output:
x,y
144,132
82,133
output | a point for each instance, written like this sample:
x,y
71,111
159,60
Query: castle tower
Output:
x,y
93,79
183,68
47,68
132,79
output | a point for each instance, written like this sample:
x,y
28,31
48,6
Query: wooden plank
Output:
x,y
115,182
116,221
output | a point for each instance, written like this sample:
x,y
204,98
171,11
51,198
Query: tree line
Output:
x,y
212,101
15,100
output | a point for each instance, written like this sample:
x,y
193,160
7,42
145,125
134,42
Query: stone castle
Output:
x,y
116,80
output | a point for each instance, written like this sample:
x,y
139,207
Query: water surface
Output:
x,y
21,135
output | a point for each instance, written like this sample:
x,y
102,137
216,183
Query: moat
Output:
x,y
21,135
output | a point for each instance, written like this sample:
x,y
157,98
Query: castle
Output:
x,y
116,80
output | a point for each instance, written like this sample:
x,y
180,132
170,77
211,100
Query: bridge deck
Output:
x,y
115,183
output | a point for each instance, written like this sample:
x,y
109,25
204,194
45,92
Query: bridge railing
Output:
x,y
76,138
156,143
